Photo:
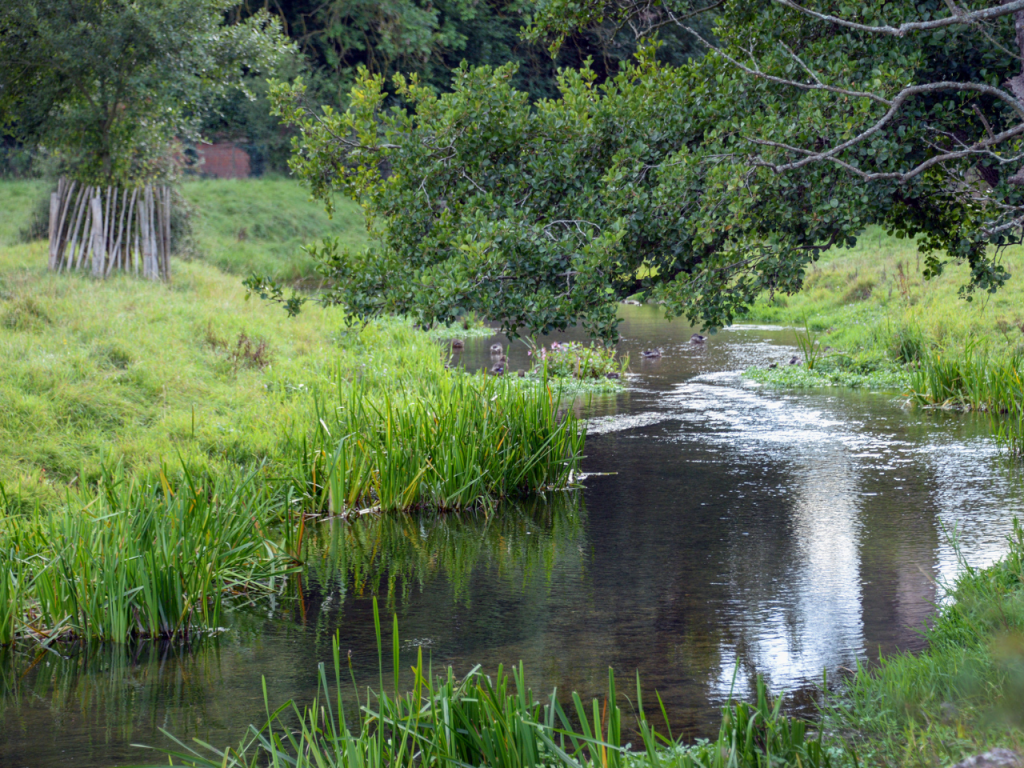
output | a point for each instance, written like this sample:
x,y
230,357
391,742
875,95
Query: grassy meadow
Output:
x,y
165,449
861,298
260,225
132,413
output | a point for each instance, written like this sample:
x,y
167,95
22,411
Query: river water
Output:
x,y
737,531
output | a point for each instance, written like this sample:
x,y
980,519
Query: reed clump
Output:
x,y
445,441
136,561
478,720
975,378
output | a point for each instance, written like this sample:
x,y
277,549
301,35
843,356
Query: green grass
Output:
x,y
963,695
133,561
18,200
140,373
260,225
447,442
878,324
478,720
860,296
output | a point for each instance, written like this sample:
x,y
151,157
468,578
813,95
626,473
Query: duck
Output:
x,y
794,360
698,339
458,344
497,370
773,365
497,349
631,302
651,353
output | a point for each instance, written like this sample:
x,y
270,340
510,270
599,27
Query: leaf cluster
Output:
x,y
700,185
108,84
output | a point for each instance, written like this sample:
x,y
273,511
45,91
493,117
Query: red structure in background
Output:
x,y
223,161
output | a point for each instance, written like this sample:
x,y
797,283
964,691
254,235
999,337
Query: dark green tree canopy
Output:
x,y
700,185
107,84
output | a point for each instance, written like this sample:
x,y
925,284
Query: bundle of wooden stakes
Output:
x,y
105,228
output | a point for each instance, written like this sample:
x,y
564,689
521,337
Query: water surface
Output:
x,y
738,531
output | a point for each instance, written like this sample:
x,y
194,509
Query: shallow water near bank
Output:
x,y
739,531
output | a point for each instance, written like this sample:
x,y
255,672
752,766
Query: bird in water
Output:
x,y
497,370
458,344
774,365
794,360
651,353
698,339
497,349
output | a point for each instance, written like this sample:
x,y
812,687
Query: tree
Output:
x,y
701,185
108,84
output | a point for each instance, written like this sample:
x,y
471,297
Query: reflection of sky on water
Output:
x,y
841,463
727,529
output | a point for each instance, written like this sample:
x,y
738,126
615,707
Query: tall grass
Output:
x,y
975,378
446,442
963,694
136,562
478,720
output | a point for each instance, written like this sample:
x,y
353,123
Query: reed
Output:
x,y
137,562
444,441
482,721
975,378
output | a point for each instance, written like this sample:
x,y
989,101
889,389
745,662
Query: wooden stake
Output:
x,y
52,234
67,196
99,234
82,195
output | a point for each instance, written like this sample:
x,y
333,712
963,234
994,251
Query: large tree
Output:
x,y
107,84
701,185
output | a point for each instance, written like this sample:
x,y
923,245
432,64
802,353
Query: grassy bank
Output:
x,y
146,374
162,445
868,319
871,315
260,225
963,695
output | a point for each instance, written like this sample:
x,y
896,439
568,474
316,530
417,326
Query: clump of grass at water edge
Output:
x,y
137,561
444,442
479,720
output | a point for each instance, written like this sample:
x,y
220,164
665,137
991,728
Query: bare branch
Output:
x,y
899,176
986,14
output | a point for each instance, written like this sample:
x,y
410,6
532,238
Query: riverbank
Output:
x,y
872,317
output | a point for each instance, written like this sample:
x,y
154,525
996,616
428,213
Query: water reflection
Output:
x,y
741,531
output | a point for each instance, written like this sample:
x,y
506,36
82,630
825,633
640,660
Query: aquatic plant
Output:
x,y
137,561
478,720
975,378
574,360
445,441
809,346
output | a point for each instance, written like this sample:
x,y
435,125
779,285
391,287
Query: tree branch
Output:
x,y
986,14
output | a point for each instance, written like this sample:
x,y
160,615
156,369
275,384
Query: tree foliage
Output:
x,y
107,84
699,185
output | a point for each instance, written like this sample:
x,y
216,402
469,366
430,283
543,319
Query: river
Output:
x,y
724,531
